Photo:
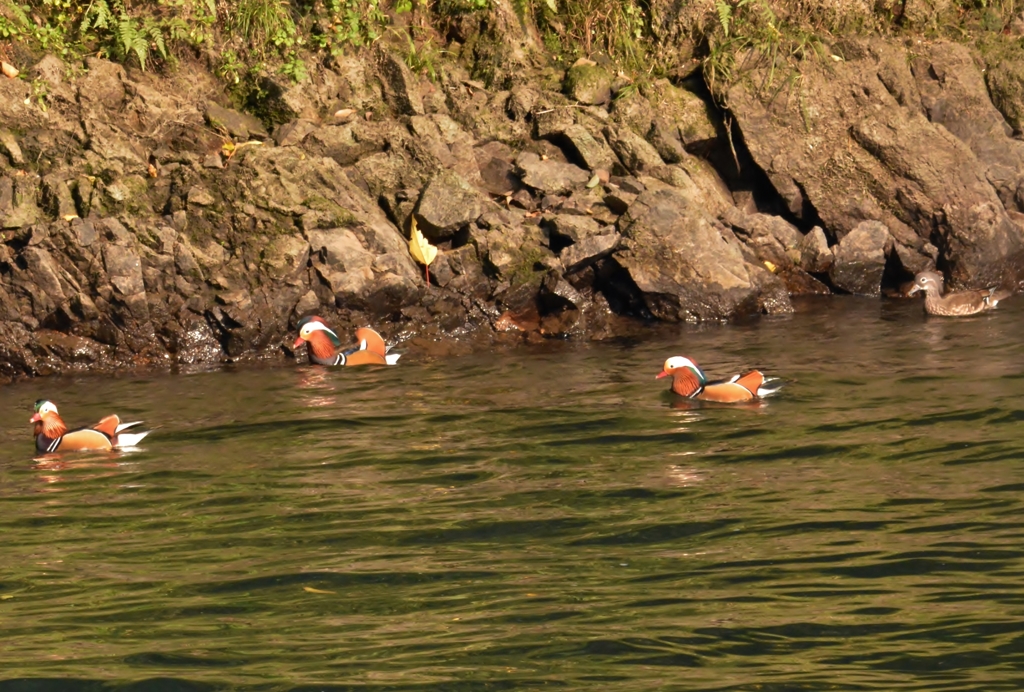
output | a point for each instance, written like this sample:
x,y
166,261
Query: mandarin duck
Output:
x,y
52,435
955,304
324,345
689,380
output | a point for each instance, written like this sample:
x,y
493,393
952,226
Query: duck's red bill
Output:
x,y
663,373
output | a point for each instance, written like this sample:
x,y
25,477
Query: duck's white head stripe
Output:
x,y
679,362
43,406
320,326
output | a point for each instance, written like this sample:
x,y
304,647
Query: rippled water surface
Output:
x,y
539,518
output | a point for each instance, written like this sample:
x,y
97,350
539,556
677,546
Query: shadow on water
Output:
x,y
538,519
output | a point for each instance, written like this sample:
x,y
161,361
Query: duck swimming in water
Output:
x,y
957,303
689,381
52,434
325,348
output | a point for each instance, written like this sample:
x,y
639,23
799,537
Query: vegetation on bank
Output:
x,y
244,40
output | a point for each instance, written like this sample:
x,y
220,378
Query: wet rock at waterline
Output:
x,y
684,267
860,259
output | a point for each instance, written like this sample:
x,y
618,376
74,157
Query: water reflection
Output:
x,y
314,379
49,466
684,404
685,476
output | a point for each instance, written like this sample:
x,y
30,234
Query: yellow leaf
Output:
x,y
420,249
771,267
69,217
310,589
8,69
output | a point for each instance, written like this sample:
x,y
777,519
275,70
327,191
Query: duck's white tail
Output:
x,y
995,295
770,386
125,426
392,358
129,439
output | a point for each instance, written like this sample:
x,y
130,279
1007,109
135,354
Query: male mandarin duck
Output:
x,y
689,380
955,304
325,346
52,435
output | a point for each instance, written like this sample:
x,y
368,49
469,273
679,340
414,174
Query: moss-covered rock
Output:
x,y
1004,77
683,122
923,15
327,213
588,83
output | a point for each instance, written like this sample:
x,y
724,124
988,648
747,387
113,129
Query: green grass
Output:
x,y
251,39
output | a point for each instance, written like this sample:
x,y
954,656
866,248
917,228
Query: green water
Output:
x,y
538,518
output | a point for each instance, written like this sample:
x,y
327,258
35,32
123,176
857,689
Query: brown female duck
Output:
x,y
957,303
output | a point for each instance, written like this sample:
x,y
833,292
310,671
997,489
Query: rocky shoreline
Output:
x,y
147,223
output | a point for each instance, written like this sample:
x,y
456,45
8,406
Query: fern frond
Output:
x,y
157,37
724,15
103,16
140,46
20,15
126,35
177,29
96,16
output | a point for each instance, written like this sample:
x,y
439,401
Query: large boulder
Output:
x,y
1004,78
589,250
860,259
103,85
588,83
682,264
447,204
774,243
549,176
240,126
852,145
815,256
682,122
954,94
591,151
635,152
400,87
350,142
772,238
442,144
